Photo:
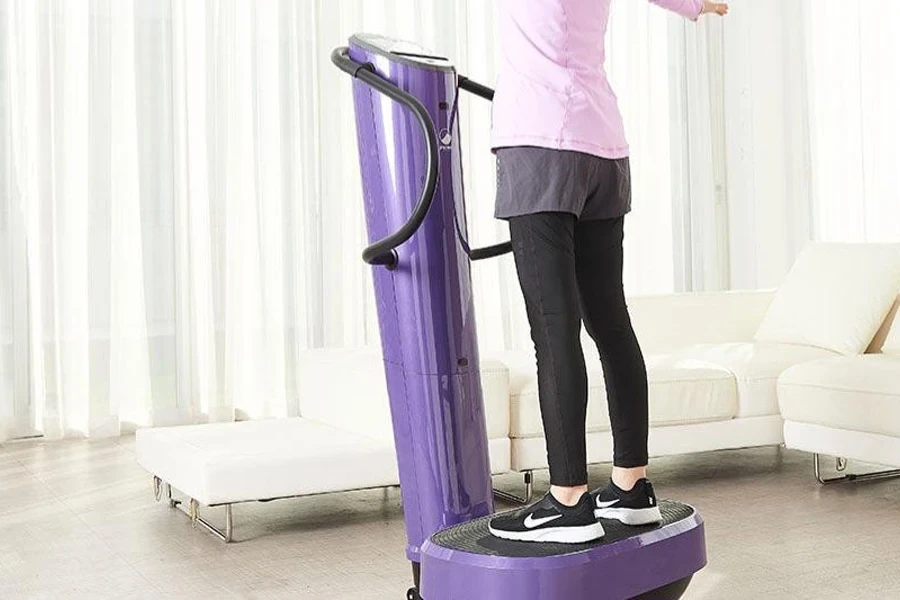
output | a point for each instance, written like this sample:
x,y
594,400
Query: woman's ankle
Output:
x,y
626,478
568,495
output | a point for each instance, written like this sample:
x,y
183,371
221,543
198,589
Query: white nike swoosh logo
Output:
x,y
606,504
531,522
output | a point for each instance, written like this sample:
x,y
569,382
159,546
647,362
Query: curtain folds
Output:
x,y
180,209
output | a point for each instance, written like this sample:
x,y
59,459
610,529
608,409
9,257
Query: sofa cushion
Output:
x,y
673,321
755,366
681,391
860,393
835,297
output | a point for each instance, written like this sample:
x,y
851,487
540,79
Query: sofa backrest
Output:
x,y
836,297
667,322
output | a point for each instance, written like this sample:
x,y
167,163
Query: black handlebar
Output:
x,y
488,94
383,252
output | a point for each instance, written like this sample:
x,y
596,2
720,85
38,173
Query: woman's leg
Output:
x,y
544,251
598,260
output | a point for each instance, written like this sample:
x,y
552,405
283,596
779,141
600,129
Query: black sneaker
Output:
x,y
638,506
550,521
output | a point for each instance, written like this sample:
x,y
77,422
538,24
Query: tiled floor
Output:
x,y
77,520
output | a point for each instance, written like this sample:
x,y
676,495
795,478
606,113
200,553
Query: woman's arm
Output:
x,y
691,9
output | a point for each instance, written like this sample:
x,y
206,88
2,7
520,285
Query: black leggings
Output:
x,y
570,271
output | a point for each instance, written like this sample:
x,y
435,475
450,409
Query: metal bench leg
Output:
x,y
193,512
529,491
841,465
227,535
172,502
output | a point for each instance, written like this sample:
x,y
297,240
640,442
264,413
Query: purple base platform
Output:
x,y
466,562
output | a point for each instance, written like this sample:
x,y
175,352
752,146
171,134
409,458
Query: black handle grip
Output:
x,y
383,252
477,89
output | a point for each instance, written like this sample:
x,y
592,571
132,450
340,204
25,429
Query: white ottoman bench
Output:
x,y
343,442
222,464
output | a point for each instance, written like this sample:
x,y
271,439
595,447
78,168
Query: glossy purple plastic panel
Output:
x,y
425,307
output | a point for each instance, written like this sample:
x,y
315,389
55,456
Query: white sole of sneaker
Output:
x,y
631,516
559,535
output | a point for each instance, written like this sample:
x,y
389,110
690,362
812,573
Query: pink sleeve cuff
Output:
x,y
689,9
694,8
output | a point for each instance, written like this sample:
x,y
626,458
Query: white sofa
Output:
x,y
729,370
803,366
847,406
714,362
712,386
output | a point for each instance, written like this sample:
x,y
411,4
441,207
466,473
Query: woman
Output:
x,y
564,186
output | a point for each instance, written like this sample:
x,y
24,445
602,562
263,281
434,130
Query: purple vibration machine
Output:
x,y
406,104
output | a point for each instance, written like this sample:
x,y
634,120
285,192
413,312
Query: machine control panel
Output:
x,y
401,51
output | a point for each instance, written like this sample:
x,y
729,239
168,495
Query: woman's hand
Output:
x,y
719,8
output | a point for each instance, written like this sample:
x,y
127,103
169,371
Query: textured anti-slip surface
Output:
x,y
475,538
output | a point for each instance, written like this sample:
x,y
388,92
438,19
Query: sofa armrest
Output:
x,y
667,322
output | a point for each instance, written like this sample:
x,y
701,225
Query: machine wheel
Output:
x,y
413,594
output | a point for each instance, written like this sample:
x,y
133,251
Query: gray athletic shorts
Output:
x,y
532,180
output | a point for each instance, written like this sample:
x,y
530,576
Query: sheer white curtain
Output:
x,y
811,91
766,140
180,210
162,231
854,61
646,57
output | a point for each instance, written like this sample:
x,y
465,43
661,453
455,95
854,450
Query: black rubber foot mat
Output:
x,y
474,537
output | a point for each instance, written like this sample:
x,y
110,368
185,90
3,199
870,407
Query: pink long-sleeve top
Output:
x,y
552,89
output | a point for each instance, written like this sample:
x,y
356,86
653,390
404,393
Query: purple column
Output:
x,y
425,308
